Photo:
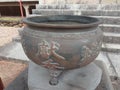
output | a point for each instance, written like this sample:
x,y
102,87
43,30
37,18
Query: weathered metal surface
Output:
x,y
63,41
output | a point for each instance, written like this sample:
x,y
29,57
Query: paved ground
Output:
x,y
6,34
13,50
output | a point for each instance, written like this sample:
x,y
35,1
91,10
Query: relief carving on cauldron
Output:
x,y
53,60
46,51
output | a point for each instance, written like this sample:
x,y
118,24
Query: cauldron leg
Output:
x,y
55,75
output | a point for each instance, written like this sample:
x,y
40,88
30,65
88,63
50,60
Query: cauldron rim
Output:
x,y
34,21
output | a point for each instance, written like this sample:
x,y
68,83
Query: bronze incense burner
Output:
x,y
61,42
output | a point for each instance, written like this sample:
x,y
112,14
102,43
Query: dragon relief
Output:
x,y
45,51
55,61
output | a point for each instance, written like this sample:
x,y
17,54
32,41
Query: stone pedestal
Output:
x,y
86,78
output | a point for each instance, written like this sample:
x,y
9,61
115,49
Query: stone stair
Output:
x,y
111,34
108,14
110,26
101,12
111,38
109,19
110,47
53,12
79,6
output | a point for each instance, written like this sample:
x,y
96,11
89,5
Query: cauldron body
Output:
x,y
61,41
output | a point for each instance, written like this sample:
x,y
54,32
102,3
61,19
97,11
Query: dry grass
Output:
x,y
12,18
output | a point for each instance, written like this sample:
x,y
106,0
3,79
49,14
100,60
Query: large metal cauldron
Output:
x,y
61,41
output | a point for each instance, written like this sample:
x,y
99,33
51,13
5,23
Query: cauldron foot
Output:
x,y
55,75
54,81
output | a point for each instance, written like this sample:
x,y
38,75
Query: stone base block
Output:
x,y
86,78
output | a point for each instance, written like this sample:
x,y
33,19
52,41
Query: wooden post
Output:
x,y
1,84
21,9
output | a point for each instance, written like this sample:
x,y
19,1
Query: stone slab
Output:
x,y
20,83
85,78
105,83
13,50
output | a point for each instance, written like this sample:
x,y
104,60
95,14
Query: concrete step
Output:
x,y
83,12
101,12
68,6
111,38
110,6
52,6
109,19
108,47
53,12
79,6
110,28
111,34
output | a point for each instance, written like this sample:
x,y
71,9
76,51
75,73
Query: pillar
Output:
x,y
41,1
26,7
